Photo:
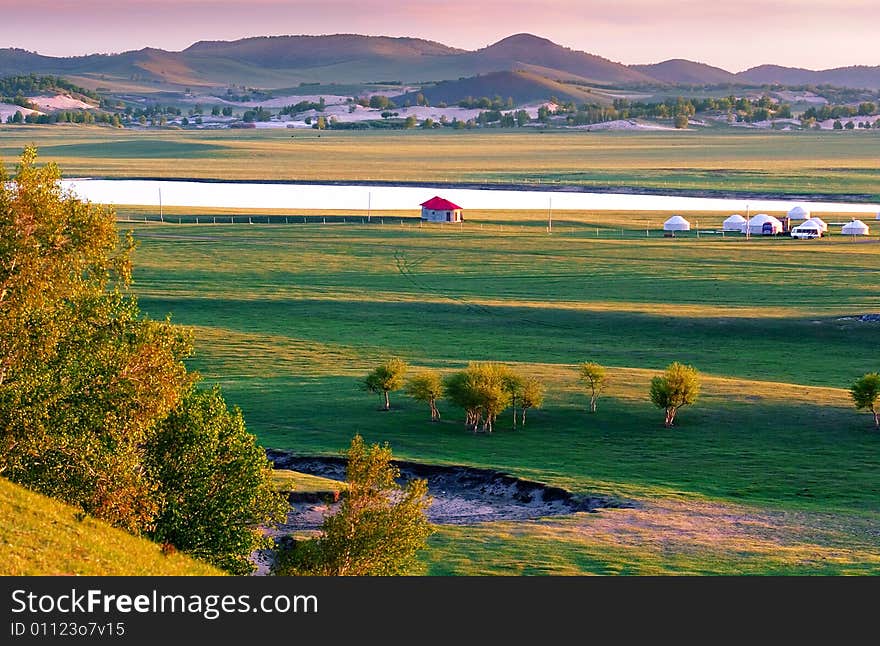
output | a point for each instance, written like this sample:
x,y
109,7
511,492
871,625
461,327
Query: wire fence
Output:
x,y
556,227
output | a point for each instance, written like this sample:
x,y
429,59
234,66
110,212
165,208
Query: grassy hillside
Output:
x,y
522,87
855,76
40,536
683,72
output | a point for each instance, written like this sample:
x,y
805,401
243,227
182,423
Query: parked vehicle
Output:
x,y
806,233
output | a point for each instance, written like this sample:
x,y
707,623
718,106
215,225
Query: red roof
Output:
x,y
439,204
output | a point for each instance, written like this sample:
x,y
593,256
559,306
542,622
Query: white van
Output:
x,y
806,233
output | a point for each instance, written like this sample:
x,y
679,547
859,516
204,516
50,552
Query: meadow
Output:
x,y
718,159
772,471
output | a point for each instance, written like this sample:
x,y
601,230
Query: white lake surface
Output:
x,y
380,198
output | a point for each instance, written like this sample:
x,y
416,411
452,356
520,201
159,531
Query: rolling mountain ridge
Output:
x,y
285,61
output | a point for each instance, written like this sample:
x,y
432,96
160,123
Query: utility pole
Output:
x,y
550,216
161,218
369,204
748,220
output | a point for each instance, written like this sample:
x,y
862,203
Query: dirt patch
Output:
x,y
462,495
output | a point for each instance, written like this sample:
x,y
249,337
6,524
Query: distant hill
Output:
x,y
315,51
41,536
284,61
513,52
679,71
20,61
272,62
857,76
522,86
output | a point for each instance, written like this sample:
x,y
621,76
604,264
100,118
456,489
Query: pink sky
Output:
x,y
735,35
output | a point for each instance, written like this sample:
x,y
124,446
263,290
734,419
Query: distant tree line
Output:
x,y
824,112
740,109
65,116
247,94
304,106
12,86
485,103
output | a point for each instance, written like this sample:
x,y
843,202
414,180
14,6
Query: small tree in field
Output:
x,y
513,384
427,386
458,389
488,380
865,394
593,375
679,386
480,390
531,396
386,378
378,530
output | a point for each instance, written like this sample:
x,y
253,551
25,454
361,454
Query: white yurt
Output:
x,y
676,223
819,222
763,224
734,223
855,228
878,216
799,213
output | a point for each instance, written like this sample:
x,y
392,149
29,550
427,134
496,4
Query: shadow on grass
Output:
x,y
806,351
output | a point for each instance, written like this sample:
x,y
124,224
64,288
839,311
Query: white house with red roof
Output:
x,y
439,210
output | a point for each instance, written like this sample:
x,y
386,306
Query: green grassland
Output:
x,y
837,163
295,482
40,536
773,471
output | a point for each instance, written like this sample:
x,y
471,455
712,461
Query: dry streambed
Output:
x,y
461,495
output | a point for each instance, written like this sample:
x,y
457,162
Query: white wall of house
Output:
x,y
441,216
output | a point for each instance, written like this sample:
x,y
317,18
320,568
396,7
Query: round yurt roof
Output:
x,y
819,222
799,213
855,228
676,223
734,223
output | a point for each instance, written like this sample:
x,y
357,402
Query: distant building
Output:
x,y
799,213
734,223
763,225
439,210
855,228
676,223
